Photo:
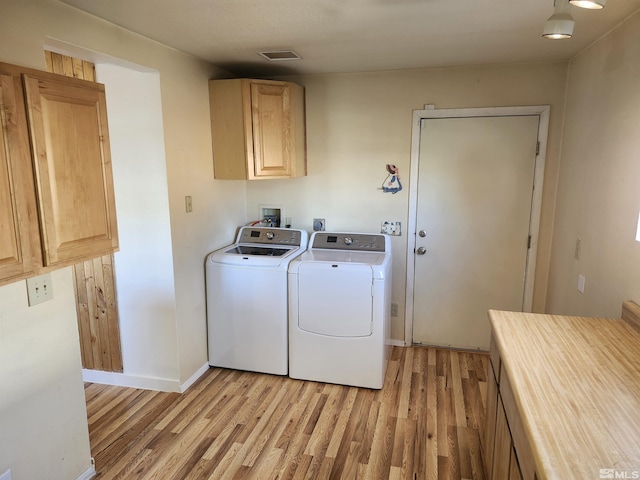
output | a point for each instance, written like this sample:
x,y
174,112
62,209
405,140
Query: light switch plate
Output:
x,y
581,282
39,289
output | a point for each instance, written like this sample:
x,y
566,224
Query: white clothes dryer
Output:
x,y
339,309
247,299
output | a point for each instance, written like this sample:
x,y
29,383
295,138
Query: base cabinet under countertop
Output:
x,y
563,396
500,456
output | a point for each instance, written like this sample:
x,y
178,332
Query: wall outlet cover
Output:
x,y
391,228
39,289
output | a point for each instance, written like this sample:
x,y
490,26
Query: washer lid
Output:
x,y
258,250
252,255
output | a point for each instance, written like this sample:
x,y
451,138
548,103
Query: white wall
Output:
x,y
599,187
144,265
43,420
357,123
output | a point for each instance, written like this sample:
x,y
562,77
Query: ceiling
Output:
x,y
357,35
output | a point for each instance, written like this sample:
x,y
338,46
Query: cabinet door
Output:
x,y
503,446
514,468
490,421
72,163
272,121
19,247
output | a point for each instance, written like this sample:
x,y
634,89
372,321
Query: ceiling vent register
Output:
x,y
280,55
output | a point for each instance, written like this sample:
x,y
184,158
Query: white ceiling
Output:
x,y
357,35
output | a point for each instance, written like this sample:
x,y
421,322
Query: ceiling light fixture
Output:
x,y
590,4
560,24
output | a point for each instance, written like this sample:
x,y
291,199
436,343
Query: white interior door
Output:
x,y
474,205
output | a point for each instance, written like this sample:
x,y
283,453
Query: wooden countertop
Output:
x,y
576,383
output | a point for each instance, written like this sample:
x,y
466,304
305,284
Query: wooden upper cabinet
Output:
x,y
258,129
72,165
57,204
19,238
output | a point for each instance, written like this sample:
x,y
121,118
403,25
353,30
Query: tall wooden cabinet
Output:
x,y
56,183
258,129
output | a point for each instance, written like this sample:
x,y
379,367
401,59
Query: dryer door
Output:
x,y
335,299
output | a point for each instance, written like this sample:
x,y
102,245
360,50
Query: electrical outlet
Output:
x,y
39,289
394,309
391,228
318,224
188,204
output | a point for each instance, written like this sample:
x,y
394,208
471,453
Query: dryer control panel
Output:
x,y
364,242
276,236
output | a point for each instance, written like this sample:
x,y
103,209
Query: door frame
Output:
x,y
430,112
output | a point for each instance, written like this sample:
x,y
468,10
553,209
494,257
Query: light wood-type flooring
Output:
x,y
424,424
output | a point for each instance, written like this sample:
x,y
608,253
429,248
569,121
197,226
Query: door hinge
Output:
x,y
529,242
537,148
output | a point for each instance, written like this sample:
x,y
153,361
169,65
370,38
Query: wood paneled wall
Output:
x,y
94,280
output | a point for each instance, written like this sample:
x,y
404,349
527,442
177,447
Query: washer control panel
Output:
x,y
350,241
277,236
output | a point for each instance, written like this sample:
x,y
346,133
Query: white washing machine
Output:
x,y
339,309
247,299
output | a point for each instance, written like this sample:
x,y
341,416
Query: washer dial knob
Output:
x,y
348,240
270,235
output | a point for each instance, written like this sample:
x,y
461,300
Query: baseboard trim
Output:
x,y
88,474
194,377
396,343
132,381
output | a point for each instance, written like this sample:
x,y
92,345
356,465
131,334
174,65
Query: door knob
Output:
x,y
421,251
422,233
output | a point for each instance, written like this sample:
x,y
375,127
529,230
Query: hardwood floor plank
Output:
x,y
256,428
463,454
405,385
341,423
303,467
457,393
128,442
433,430
272,430
382,446
345,448
425,423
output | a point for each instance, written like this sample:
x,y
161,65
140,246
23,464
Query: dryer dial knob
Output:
x,y
270,235
348,240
